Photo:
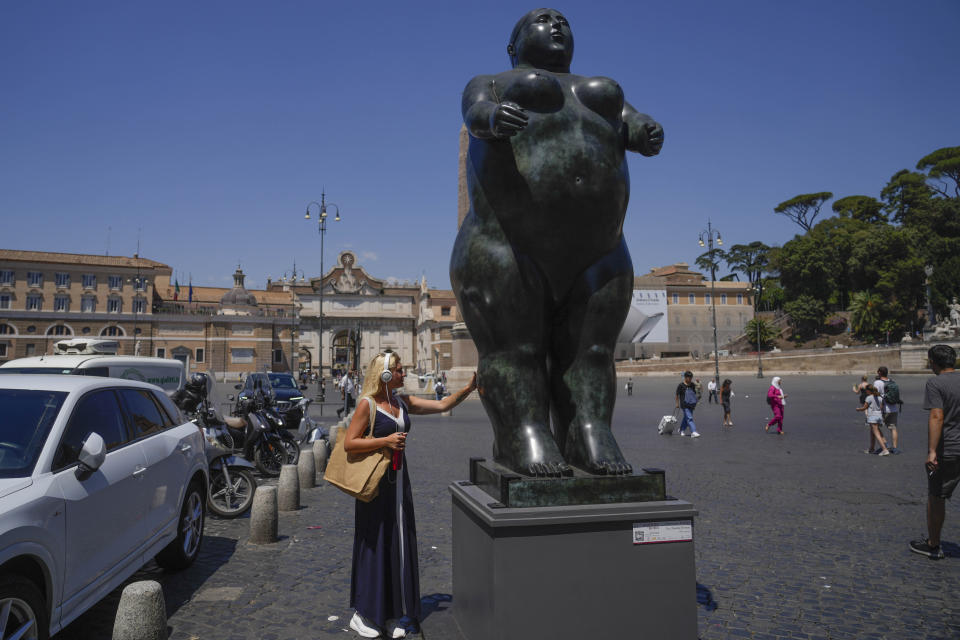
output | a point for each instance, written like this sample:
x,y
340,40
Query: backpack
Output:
x,y
891,392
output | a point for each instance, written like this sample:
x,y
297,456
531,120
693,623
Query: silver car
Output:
x,y
97,476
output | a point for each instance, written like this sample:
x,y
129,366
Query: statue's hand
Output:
x,y
507,120
653,139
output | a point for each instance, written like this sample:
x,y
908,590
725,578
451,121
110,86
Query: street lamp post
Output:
x,y
928,270
707,239
756,321
322,219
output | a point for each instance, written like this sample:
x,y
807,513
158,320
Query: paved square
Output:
x,y
799,536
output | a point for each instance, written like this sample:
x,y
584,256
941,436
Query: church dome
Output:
x,y
238,296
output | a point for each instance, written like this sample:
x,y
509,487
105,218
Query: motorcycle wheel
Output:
x,y
269,456
291,446
233,500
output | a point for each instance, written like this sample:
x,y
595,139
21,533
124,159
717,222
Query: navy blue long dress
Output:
x,y
379,589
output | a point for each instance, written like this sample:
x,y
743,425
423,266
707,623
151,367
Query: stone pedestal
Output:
x,y
464,355
616,570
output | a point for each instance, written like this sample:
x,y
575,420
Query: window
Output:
x,y
59,330
739,298
161,352
139,305
112,330
144,412
96,412
140,283
62,279
31,329
723,298
706,298
114,305
89,281
199,357
85,330
88,304
34,278
61,303
241,356
31,349
277,355
6,277
676,298
691,298
7,330
3,349
34,302
116,283
444,311
4,301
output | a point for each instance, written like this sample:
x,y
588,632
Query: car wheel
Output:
x,y
23,613
181,553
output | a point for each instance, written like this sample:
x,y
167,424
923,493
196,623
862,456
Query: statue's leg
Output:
x,y
503,304
583,378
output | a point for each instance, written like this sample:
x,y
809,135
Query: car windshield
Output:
x,y
282,381
25,420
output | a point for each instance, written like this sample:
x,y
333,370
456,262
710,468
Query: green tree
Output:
x,y
806,314
751,260
860,208
906,195
803,209
710,260
759,329
943,164
867,313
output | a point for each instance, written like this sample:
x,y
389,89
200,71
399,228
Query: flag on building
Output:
x,y
176,289
190,291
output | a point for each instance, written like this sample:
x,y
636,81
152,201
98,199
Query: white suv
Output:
x,y
97,476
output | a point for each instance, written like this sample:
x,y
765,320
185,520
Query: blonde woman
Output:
x,y
385,584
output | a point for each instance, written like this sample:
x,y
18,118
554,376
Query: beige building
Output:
x,y
46,297
690,299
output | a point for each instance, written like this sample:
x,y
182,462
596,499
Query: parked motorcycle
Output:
x,y
266,442
232,483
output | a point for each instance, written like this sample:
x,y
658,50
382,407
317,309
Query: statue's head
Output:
x,y
542,39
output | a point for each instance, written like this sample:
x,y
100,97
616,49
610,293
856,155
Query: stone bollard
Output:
x,y
320,452
307,471
263,516
288,489
142,614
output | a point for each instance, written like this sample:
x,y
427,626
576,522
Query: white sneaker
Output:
x,y
364,627
682,434
395,630
695,434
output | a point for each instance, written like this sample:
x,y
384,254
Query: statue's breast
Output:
x,y
601,95
534,90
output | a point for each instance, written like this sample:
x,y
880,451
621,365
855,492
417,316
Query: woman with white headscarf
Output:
x,y
776,400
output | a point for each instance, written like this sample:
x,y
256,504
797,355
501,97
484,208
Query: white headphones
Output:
x,y
385,375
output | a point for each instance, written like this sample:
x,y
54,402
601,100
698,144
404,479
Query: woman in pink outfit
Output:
x,y
776,400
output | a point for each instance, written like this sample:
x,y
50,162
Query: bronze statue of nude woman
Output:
x,y
540,267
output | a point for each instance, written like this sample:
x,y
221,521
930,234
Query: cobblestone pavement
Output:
x,y
800,536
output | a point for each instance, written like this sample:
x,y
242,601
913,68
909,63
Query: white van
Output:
x,y
166,373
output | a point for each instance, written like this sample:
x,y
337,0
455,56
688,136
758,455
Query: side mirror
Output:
x,y
237,386
230,397
303,387
93,452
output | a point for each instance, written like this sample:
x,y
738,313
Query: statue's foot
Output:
x,y
596,451
532,452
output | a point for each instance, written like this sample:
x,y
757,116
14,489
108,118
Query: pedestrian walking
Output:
x,y
873,406
712,391
726,393
890,394
860,388
385,580
629,386
941,398
687,399
776,398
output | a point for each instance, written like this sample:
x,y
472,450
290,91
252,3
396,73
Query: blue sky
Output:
x,y
208,126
